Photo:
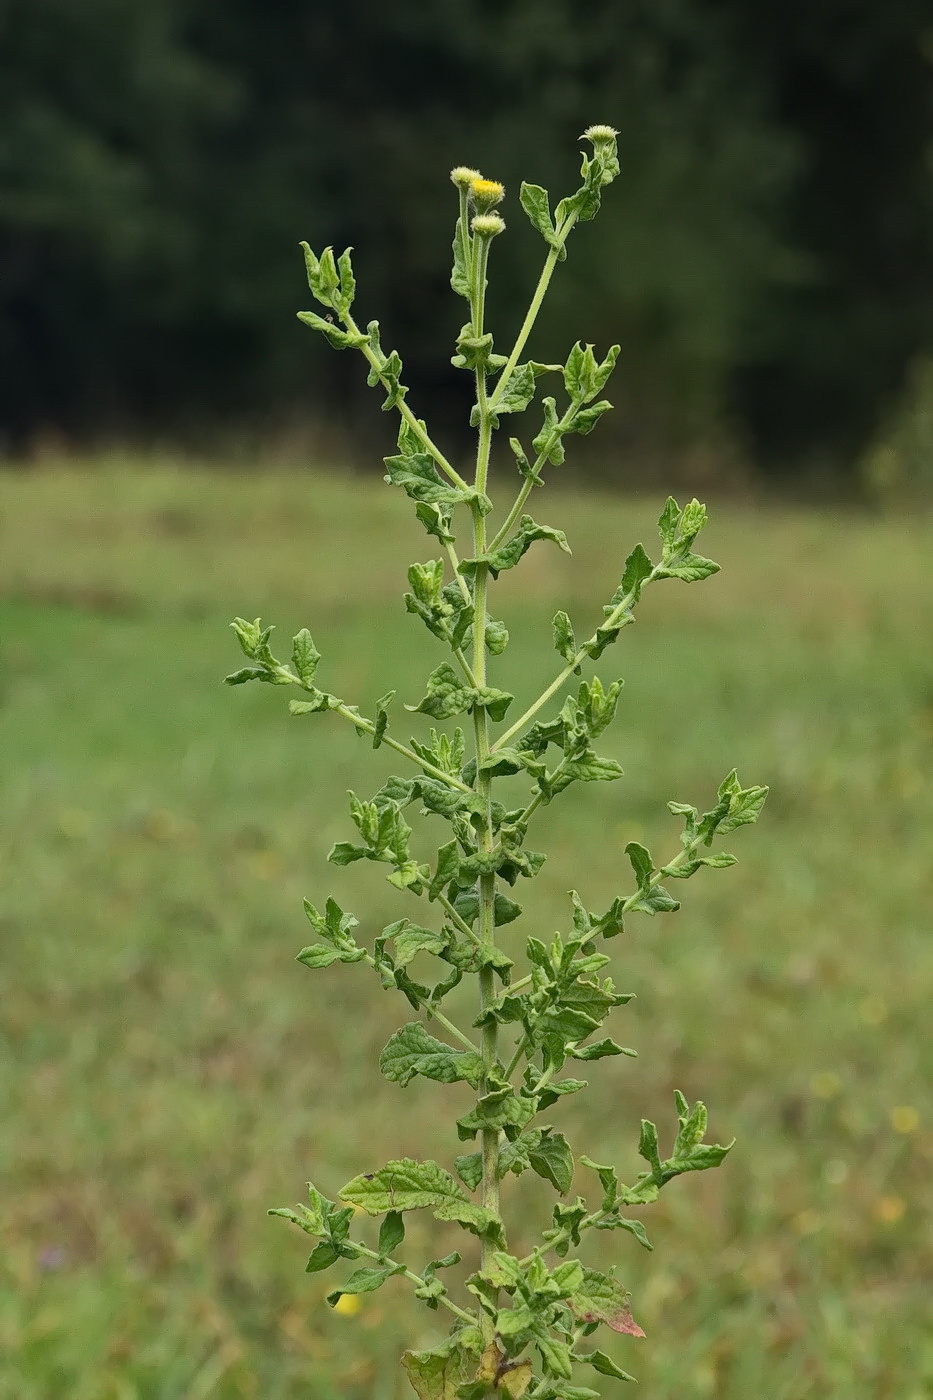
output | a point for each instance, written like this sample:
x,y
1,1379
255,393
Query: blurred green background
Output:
x,y
176,449
170,1072
766,259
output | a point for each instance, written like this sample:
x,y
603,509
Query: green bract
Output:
x,y
520,1322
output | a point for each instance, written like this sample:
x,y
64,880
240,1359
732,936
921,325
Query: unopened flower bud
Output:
x,y
599,134
487,225
463,177
486,194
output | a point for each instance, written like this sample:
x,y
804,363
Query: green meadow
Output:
x,y
169,1071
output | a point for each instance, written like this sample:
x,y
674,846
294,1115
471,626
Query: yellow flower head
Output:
x,y
347,1305
486,194
487,225
597,134
463,176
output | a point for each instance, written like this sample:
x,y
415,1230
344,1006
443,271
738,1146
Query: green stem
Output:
x,y
431,1011
429,768
417,428
413,1278
531,481
613,620
487,883
456,919
550,263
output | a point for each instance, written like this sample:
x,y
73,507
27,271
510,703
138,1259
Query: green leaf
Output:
x,y
745,804
548,443
554,1354
552,1159
411,1050
411,939
446,694
534,200
494,701
585,419
470,1169
600,1049
448,864
509,554
460,277
603,1364
642,864
340,340
564,640
305,656
437,1375
322,1256
417,475
668,522
320,955
344,299
691,568
522,462
608,1180
391,1232
648,1148
365,1280
638,568
410,1185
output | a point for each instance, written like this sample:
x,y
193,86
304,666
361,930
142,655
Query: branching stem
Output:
x,y
368,727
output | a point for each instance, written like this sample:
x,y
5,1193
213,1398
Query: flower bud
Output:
x,y
487,225
463,177
599,134
486,194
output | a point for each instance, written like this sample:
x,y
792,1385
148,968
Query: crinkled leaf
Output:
x,y
436,1375
534,200
552,1159
460,277
365,1280
407,1184
305,656
691,568
411,1050
601,1298
340,340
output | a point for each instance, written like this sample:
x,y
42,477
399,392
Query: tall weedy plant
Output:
x,y
531,1316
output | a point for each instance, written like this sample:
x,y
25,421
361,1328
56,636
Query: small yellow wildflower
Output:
x,y
464,176
347,1305
904,1118
486,194
889,1209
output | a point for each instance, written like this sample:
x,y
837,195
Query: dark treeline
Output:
x,y
765,259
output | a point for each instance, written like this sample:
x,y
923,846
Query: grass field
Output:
x,y
169,1071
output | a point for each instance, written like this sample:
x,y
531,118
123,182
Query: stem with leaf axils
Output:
x,y
520,1325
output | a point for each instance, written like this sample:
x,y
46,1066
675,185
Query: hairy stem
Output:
x,y
417,428
613,620
550,263
413,1278
429,768
487,883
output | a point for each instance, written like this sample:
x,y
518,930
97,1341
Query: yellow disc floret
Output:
x,y
599,133
486,194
